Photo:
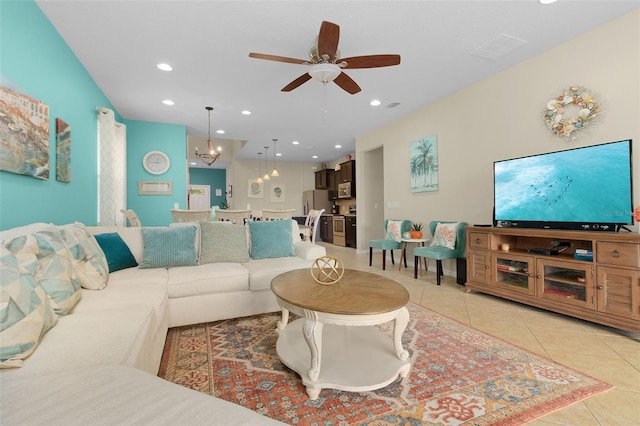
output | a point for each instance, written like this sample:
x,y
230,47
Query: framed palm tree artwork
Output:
x,y
424,164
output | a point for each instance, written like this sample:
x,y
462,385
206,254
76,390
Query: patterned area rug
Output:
x,y
458,375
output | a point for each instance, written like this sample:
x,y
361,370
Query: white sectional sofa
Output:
x,y
97,363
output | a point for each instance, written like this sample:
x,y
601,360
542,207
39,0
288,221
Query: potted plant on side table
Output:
x,y
416,230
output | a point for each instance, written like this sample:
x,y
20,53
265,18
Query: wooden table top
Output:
x,y
357,293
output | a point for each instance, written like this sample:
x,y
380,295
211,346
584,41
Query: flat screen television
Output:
x,y
587,188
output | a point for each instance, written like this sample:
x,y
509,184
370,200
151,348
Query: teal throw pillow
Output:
x,y
116,251
166,247
271,238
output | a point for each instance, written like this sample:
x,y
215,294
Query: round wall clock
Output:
x,y
156,162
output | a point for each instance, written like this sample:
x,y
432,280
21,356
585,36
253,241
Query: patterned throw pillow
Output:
x,y
25,310
445,235
394,230
223,242
168,247
89,262
53,266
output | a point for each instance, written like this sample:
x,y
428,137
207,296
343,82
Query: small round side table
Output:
x,y
419,242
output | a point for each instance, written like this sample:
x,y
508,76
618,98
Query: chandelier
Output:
x,y
211,155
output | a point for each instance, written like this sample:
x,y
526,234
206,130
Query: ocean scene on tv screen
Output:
x,y
589,184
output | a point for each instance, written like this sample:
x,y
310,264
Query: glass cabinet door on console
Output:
x,y
514,272
568,282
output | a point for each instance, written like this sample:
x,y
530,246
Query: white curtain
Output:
x,y
112,169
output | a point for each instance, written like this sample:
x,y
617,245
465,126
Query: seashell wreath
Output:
x,y
555,115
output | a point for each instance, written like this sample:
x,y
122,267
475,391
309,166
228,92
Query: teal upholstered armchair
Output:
x,y
393,230
448,243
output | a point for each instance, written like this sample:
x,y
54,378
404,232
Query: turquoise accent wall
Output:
x,y
215,178
36,61
142,137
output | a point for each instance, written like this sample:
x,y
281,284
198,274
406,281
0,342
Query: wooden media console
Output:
x,y
599,283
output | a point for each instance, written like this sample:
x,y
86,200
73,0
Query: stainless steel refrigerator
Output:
x,y
315,200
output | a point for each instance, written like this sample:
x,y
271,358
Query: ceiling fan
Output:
x,y
325,62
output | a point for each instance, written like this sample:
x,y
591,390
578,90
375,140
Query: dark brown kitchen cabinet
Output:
x,y
347,172
350,231
322,178
326,229
333,188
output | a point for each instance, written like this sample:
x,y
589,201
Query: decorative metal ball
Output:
x,y
327,270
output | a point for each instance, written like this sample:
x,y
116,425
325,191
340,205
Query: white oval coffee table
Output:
x,y
335,343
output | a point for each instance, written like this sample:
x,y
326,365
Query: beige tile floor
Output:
x,y
607,354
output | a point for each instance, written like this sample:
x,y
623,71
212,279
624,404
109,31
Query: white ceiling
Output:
x,y
208,43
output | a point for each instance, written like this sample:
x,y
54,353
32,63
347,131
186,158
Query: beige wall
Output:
x,y
502,117
296,178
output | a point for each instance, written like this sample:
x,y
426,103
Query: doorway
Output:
x,y
199,197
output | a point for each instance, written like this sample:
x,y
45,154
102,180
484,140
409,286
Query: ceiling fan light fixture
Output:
x,y
324,72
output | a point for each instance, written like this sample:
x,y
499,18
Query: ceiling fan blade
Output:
x,y
297,82
347,83
370,61
278,58
328,39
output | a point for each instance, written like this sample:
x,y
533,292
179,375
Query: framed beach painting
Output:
x,y
63,151
24,126
424,164
278,193
255,189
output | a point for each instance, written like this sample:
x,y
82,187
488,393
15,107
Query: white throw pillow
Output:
x,y
394,230
445,235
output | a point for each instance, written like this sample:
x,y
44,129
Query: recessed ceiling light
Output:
x,y
278,154
314,156
295,143
246,112
220,132
168,102
375,102
193,163
165,67
547,1
338,146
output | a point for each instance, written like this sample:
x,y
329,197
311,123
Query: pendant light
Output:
x,y
211,155
274,173
259,159
266,164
